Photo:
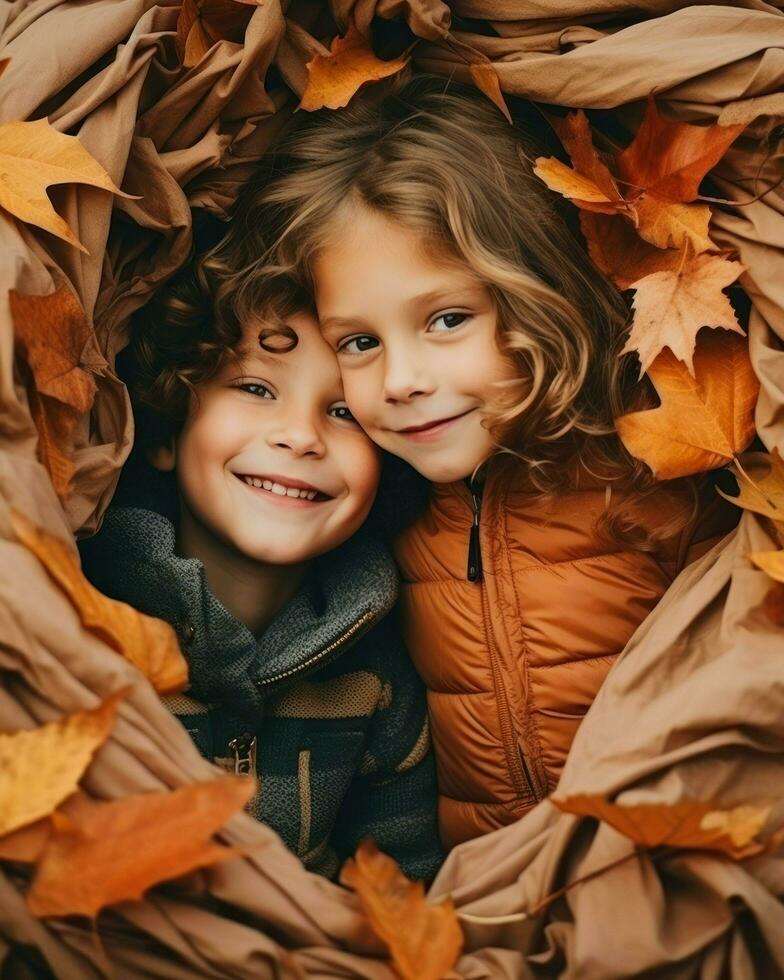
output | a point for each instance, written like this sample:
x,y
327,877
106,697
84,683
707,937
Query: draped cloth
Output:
x,y
694,708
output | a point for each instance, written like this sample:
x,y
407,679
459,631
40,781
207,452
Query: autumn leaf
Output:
x,y
51,333
116,851
760,479
771,563
334,77
703,420
34,156
202,23
577,187
670,159
482,72
672,225
618,251
671,306
150,644
40,767
697,825
424,940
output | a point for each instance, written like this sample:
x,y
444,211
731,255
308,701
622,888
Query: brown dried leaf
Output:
x,y
51,334
202,23
760,479
150,644
40,767
116,851
574,132
618,251
34,156
424,940
486,79
671,306
689,825
703,420
334,78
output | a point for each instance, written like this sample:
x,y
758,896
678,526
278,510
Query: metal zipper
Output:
x,y
316,658
243,752
474,571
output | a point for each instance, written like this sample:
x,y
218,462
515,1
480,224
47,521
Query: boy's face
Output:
x,y
270,462
416,344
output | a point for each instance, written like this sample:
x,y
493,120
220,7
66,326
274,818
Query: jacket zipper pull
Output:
x,y
243,753
474,573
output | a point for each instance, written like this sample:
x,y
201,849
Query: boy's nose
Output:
x,y
302,440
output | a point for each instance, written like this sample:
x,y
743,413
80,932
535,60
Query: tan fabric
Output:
x,y
513,662
693,707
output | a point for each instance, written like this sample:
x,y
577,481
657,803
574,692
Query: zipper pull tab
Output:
x,y
243,753
474,572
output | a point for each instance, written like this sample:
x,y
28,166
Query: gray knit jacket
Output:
x,y
324,706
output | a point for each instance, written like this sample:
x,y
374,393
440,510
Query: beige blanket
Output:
x,y
695,706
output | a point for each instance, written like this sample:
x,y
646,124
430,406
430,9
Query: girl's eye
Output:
x,y
341,412
449,321
358,344
256,388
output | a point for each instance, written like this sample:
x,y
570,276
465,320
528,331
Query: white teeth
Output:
x,y
279,488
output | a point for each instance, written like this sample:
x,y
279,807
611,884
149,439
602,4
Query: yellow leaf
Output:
x,y
113,852
703,420
335,77
669,224
671,306
486,80
761,484
692,825
567,182
40,767
424,940
150,644
34,156
771,563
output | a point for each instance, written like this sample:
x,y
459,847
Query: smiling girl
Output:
x,y
476,341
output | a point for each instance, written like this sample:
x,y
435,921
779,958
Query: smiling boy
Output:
x,y
246,535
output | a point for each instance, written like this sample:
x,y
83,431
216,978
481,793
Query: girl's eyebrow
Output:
x,y
432,297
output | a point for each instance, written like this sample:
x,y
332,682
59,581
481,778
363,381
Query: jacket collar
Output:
x,y
133,558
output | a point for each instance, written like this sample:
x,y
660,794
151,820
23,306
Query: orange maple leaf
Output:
x,y
335,75
671,306
693,824
704,420
51,334
150,644
40,767
203,23
113,852
424,940
34,156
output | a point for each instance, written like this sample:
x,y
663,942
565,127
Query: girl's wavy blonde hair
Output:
x,y
438,157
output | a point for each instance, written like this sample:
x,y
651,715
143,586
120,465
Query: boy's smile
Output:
x,y
270,465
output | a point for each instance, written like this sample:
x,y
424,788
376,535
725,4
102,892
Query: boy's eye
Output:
x,y
341,412
358,344
256,388
449,321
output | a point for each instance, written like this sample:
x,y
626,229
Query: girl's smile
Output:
x,y
416,339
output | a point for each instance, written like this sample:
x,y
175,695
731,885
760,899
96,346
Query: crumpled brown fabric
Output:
x,y
694,708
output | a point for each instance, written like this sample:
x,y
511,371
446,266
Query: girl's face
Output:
x,y
416,342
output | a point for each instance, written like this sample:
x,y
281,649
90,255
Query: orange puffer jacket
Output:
x,y
513,661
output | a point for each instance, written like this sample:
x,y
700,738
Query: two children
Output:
x,y
254,552
477,342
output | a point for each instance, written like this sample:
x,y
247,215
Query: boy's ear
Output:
x,y
164,457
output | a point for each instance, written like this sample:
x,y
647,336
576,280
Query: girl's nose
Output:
x,y
406,378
